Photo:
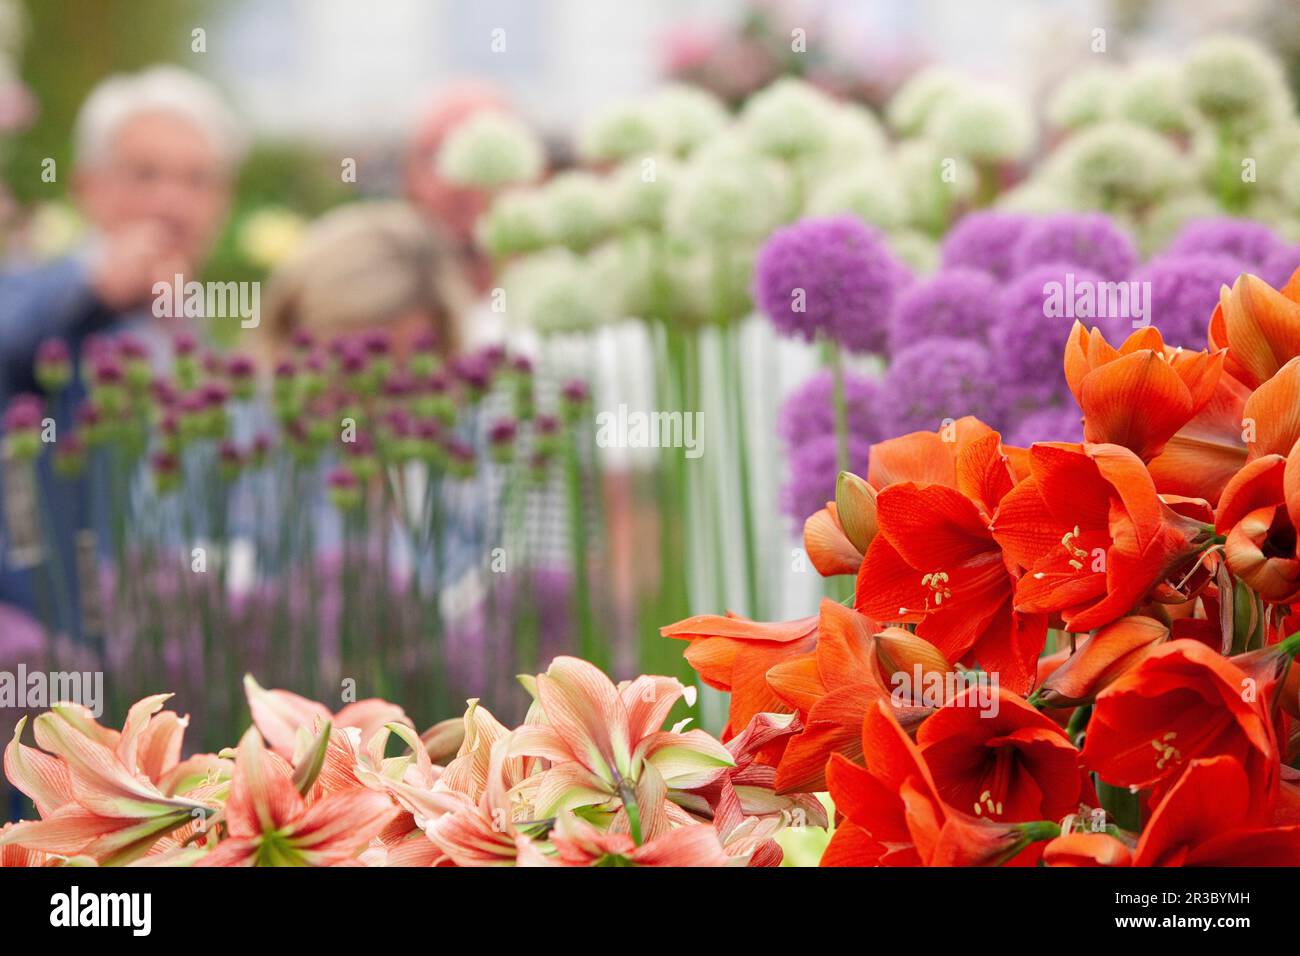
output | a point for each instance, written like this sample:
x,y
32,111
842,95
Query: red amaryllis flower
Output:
x,y
1259,325
937,563
894,815
1208,450
734,654
1140,394
1001,758
1208,819
1092,532
1184,702
1260,514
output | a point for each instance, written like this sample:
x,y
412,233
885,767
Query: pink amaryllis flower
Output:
x,y
606,746
280,714
579,843
104,794
269,823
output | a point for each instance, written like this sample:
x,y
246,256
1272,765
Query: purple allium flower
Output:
x,y
475,371
833,276
1053,423
107,370
23,413
1087,240
1280,266
813,470
53,365
808,412
425,343
131,348
1184,292
88,415
398,384
493,355
939,379
302,341
546,424
522,365
352,361
429,429
1030,344
240,367
399,422
214,394
165,463
163,391
285,370
229,454
985,241
376,342
958,303
1250,242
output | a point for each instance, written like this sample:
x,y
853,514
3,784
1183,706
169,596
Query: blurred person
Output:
x,y
454,208
367,266
154,157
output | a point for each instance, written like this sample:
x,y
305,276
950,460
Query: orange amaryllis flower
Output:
x,y
894,815
734,654
1260,514
1094,535
937,564
1000,758
837,537
281,714
606,747
103,794
1259,326
1140,394
1270,418
1208,819
1185,701
269,823
832,688
1087,850
1208,450
1101,659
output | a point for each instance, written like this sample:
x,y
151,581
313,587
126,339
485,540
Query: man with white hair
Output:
x,y
155,155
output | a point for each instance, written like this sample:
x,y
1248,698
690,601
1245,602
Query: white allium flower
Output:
x,y
685,117
490,150
1116,164
1038,195
728,194
984,124
553,292
708,287
916,250
622,132
578,209
854,137
514,223
641,189
869,191
910,108
1155,95
1085,97
1274,151
623,271
931,182
789,119
1236,83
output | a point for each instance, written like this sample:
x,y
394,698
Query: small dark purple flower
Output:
x,y
285,370
398,384
376,342
502,431
240,367
522,365
546,424
53,351
214,394
184,344
24,413
131,348
575,392
107,370
302,341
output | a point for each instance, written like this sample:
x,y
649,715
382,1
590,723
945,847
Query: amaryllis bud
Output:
x,y
855,506
900,652
1103,658
53,365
